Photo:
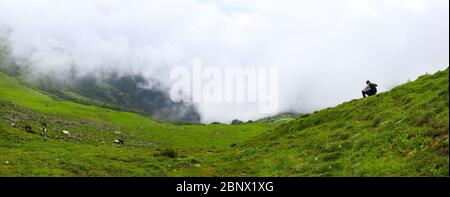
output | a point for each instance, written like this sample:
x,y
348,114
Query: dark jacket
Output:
x,y
371,87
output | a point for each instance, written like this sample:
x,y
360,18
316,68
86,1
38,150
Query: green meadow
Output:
x,y
403,132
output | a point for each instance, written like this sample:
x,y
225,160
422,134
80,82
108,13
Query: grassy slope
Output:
x,y
402,132
90,151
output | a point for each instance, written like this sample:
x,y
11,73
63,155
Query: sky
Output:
x,y
325,49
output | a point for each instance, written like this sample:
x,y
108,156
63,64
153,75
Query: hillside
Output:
x,y
124,92
403,132
90,150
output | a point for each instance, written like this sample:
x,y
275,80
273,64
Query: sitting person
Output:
x,y
371,89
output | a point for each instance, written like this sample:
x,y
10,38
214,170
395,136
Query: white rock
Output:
x,y
197,165
66,133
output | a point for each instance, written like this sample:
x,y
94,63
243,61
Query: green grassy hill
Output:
x,y
403,132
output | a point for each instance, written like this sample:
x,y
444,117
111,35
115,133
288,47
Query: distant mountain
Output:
x,y
125,92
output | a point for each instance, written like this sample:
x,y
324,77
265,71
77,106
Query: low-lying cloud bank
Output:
x,y
325,50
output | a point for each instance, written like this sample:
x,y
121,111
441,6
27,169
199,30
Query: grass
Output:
x,y
403,132
91,152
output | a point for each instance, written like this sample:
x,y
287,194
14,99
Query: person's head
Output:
x,y
367,82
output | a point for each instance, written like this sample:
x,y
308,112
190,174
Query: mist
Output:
x,y
325,49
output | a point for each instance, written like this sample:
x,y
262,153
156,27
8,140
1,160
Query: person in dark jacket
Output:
x,y
371,89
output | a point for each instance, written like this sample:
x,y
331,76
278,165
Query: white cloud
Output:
x,y
325,49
